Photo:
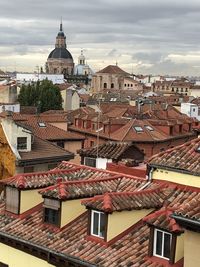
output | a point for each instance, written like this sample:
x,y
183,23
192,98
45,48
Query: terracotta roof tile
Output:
x,y
162,219
113,69
110,150
118,201
185,157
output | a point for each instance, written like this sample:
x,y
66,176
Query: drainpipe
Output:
x,y
150,174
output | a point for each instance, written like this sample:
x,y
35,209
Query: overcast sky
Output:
x,y
143,36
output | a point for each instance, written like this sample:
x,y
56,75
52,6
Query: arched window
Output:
x,y
112,85
105,85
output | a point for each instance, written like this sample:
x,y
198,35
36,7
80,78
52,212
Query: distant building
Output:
x,y
82,68
34,77
190,109
60,60
111,77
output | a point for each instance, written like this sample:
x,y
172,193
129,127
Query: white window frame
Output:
x,y
155,240
92,223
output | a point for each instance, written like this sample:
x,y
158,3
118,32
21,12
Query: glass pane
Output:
x,y
167,245
159,237
102,225
95,223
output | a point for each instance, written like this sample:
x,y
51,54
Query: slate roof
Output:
x,y
185,157
110,150
43,151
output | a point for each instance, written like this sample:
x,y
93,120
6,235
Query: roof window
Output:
x,y
138,129
149,128
41,124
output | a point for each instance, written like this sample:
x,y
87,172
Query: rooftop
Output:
x,y
185,157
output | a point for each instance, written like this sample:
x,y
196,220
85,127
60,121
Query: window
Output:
x,y
138,129
105,85
112,85
162,244
90,162
12,199
41,124
98,223
21,143
149,128
52,211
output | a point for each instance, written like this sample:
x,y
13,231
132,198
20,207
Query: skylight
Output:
x,y
138,129
198,149
149,128
41,124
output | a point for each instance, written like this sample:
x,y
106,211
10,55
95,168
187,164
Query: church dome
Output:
x,y
61,33
60,52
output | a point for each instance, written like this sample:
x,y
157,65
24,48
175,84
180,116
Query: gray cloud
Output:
x,y
138,32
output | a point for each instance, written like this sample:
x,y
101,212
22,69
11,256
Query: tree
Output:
x,y
44,95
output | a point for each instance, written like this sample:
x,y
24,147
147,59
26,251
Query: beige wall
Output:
x,y
73,146
29,199
16,258
180,178
179,247
70,210
191,249
61,125
120,221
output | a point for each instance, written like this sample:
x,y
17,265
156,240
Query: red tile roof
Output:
x,y
89,188
113,69
185,157
130,248
110,150
129,133
118,201
162,219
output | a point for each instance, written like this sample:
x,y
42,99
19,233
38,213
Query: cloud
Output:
x,y
148,35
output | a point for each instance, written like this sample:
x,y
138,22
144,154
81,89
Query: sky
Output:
x,y
143,36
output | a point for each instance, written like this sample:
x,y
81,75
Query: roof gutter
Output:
x,y
48,251
187,223
172,169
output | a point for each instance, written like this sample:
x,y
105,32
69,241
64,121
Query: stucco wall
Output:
x,y
70,210
180,178
179,247
29,199
73,146
191,249
120,221
16,258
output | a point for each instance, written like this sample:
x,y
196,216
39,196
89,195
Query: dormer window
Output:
x,y
52,211
162,244
98,224
21,143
